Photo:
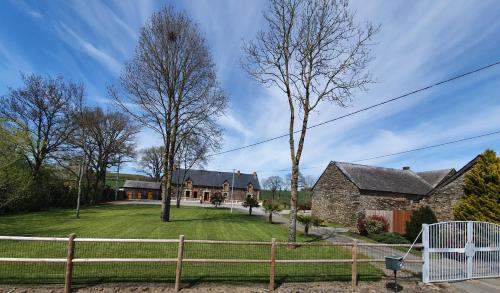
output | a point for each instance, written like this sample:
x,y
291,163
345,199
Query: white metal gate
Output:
x,y
460,250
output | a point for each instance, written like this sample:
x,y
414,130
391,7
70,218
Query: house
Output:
x,y
135,189
202,184
345,191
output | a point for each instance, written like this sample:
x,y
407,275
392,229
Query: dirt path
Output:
x,y
319,287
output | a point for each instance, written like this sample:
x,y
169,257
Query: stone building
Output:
x,y
202,184
446,195
345,191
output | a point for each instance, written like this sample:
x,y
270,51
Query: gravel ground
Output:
x,y
320,287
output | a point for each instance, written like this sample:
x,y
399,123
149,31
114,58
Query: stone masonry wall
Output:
x,y
338,200
335,198
445,198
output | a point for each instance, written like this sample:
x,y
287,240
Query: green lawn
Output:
x,y
140,221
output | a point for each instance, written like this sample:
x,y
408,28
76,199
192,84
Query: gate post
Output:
x,y
425,255
178,271
468,245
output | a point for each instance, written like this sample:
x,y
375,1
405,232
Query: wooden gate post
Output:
x,y
272,271
178,271
68,278
354,272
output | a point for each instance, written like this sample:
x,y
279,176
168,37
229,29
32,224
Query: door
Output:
x,y
206,195
460,250
129,194
139,195
150,195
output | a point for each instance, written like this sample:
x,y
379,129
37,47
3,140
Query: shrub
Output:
x,y
250,203
308,221
389,237
271,208
362,227
217,199
304,206
423,215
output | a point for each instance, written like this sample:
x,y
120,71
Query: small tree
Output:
x,y
250,203
308,221
423,215
217,199
271,207
482,191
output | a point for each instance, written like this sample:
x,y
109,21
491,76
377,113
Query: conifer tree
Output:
x,y
482,191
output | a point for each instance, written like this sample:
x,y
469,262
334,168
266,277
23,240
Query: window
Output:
x,y
188,193
189,184
250,188
226,186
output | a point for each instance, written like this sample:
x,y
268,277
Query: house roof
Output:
x,y
457,174
384,179
215,178
141,184
436,176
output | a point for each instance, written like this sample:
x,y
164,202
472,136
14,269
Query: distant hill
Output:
x,y
112,182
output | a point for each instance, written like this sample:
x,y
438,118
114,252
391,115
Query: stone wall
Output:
x,y
338,200
335,198
197,193
445,198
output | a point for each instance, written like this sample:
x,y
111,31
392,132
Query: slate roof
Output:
x,y
141,184
457,174
436,176
216,178
385,179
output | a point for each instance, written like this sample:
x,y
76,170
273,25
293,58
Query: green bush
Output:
x,y
389,237
423,215
376,224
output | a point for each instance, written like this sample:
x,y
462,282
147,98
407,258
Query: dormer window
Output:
x,y
250,188
225,187
189,184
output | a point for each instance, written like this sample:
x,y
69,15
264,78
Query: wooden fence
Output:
x,y
70,260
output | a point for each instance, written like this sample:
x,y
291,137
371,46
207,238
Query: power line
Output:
x,y
364,109
430,146
398,153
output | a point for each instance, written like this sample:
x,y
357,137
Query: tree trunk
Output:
x,y
270,217
292,226
250,210
80,178
306,229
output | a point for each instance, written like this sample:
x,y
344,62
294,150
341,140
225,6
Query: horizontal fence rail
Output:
x,y
74,258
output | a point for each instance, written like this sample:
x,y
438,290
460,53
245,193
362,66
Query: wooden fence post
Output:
x,y
178,271
69,264
354,263
272,271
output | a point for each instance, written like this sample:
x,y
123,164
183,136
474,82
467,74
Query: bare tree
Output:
x,y
172,87
152,162
273,184
42,107
313,51
109,138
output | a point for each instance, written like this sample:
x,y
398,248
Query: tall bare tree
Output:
x,y
171,83
42,107
313,51
152,162
108,138
273,184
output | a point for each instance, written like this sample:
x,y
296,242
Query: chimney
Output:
x,y
254,174
406,168
238,172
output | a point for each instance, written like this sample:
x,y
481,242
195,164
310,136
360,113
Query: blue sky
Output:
x,y
420,42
